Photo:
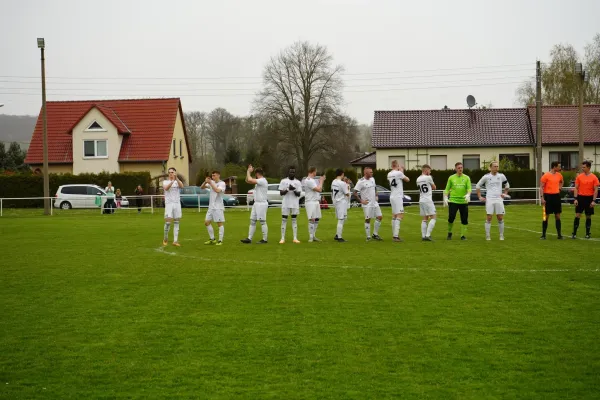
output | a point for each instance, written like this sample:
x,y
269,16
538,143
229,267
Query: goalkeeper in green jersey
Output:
x,y
456,196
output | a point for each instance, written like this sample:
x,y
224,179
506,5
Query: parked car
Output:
x,y
569,193
191,195
273,195
81,196
384,198
475,200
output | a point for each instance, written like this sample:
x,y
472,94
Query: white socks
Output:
x,y
211,232
175,231
430,227
376,227
395,227
340,228
221,233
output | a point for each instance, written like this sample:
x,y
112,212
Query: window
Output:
x,y
520,160
273,187
174,149
74,190
400,160
94,191
569,160
181,148
471,161
95,149
95,126
438,162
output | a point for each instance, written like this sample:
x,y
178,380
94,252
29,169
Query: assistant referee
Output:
x,y
550,186
585,193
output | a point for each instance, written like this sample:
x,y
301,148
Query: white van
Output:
x,y
81,196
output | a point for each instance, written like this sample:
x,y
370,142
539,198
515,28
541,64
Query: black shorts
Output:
x,y
583,205
553,203
453,208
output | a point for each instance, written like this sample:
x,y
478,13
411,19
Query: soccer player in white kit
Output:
x,y
368,198
171,188
216,208
312,195
494,183
340,194
397,178
260,206
290,189
427,208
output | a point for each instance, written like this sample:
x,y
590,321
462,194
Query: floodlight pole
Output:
x,y
538,122
42,45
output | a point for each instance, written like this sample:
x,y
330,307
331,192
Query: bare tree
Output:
x,y
302,93
221,131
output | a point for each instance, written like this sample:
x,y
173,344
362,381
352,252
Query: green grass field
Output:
x,y
94,307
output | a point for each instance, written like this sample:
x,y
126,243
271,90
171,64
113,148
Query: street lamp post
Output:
x,y
41,45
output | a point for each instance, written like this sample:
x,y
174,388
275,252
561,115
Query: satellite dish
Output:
x,y
471,101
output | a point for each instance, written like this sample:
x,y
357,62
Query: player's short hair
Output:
x,y
339,172
172,168
259,171
554,164
426,166
215,171
292,167
312,169
494,162
394,163
457,164
366,168
587,163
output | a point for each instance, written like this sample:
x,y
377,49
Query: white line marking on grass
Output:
x,y
552,234
482,270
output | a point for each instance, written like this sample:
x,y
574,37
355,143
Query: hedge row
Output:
x,y
26,185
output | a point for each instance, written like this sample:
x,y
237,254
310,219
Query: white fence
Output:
x,y
199,202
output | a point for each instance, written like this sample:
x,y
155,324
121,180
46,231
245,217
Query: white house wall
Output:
x,y
113,145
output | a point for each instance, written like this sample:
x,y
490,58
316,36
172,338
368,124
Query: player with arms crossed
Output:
x,y
426,206
457,196
215,212
340,195
494,200
290,189
312,193
585,193
550,186
260,206
397,178
171,188
368,198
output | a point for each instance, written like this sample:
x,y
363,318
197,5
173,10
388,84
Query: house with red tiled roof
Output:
x,y
112,135
367,160
442,138
560,134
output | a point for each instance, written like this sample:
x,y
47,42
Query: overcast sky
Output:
x,y
396,54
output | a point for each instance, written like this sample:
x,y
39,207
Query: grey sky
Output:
x,y
427,44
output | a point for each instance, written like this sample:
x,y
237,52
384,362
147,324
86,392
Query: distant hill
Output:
x,y
17,128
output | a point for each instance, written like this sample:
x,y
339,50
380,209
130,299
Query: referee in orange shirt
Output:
x,y
550,186
585,193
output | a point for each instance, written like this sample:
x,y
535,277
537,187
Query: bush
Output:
x,y
27,185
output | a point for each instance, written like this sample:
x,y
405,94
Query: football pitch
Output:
x,y
93,306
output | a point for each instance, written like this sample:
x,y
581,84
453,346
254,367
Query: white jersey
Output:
x,y
171,195
290,200
310,194
424,183
215,201
366,187
339,191
396,184
260,190
493,185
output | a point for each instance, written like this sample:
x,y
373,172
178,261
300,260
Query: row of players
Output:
x,y
456,197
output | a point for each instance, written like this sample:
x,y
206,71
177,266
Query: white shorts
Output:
x,y
341,210
397,205
427,208
494,207
173,210
372,211
313,209
215,215
259,211
290,211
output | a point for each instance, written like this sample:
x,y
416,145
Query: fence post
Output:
x,y
51,207
0,207
152,204
198,204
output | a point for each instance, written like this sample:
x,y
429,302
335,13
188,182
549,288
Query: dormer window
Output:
x,y
95,126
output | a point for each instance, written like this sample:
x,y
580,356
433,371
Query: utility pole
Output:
x,y
538,122
583,78
41,44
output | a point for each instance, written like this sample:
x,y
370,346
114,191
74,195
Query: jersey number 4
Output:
x,y
393,183
424,188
